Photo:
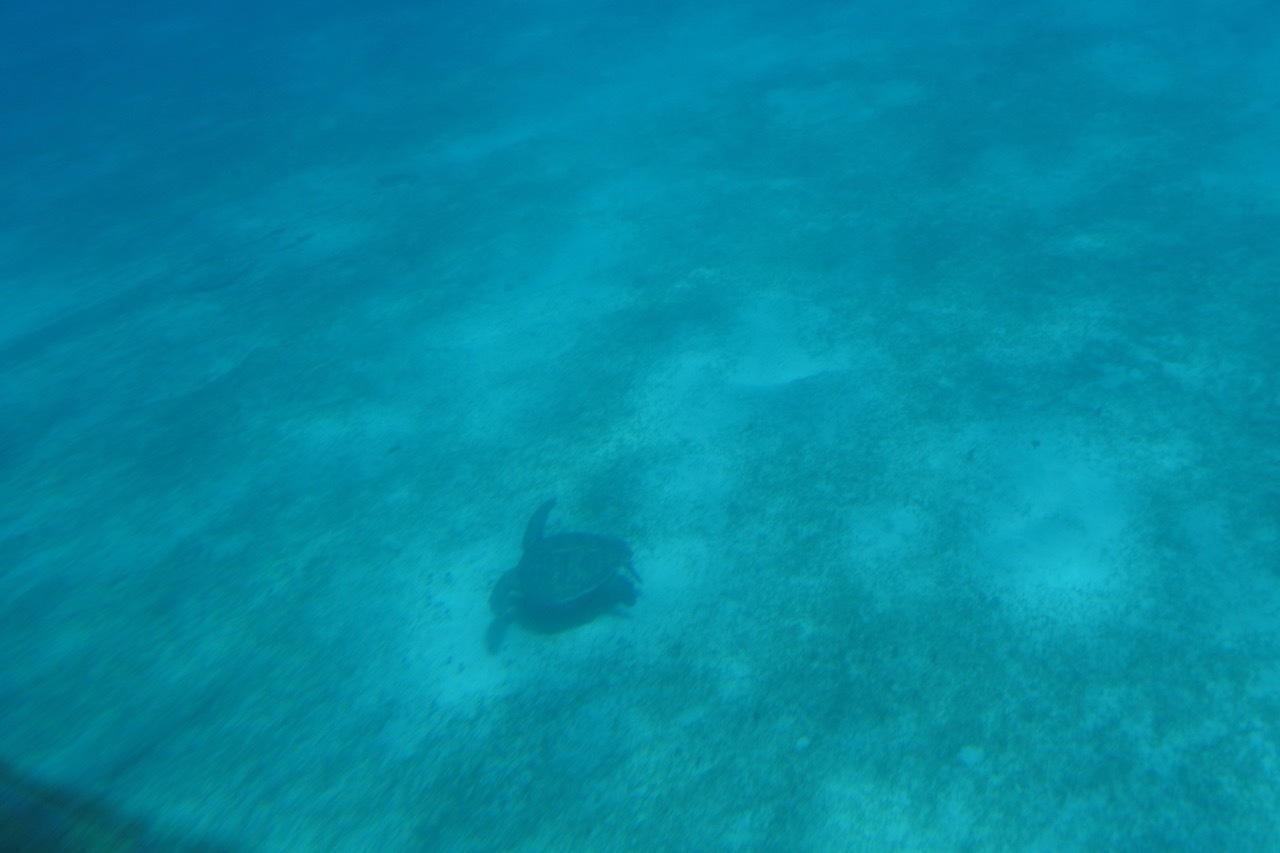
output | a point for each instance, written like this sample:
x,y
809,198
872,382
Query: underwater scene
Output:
x,y
570,425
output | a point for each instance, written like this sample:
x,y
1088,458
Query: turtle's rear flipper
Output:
x,y
620,591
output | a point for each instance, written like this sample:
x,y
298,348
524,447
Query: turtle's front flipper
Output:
x,y
493,636
503,601
503,598
621,591
533,532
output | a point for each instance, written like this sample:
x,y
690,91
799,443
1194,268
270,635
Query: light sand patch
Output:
x,y
684,400
861,815
737,679
444,642
1055,541
871,813
777,340
883,539
673,568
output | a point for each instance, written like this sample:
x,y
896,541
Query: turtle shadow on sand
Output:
x,y
562,581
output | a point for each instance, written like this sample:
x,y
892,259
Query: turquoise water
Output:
x,y
925,355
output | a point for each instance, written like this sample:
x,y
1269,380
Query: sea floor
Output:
x,y
927,368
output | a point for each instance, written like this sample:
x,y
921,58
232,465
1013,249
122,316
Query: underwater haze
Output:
x,y
926,356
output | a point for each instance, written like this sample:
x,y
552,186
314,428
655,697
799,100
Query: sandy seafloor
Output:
x,y
925,356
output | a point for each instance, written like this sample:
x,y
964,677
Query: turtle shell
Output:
x,y
565,568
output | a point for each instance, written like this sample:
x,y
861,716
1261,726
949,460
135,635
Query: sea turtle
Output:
x,y
563,578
